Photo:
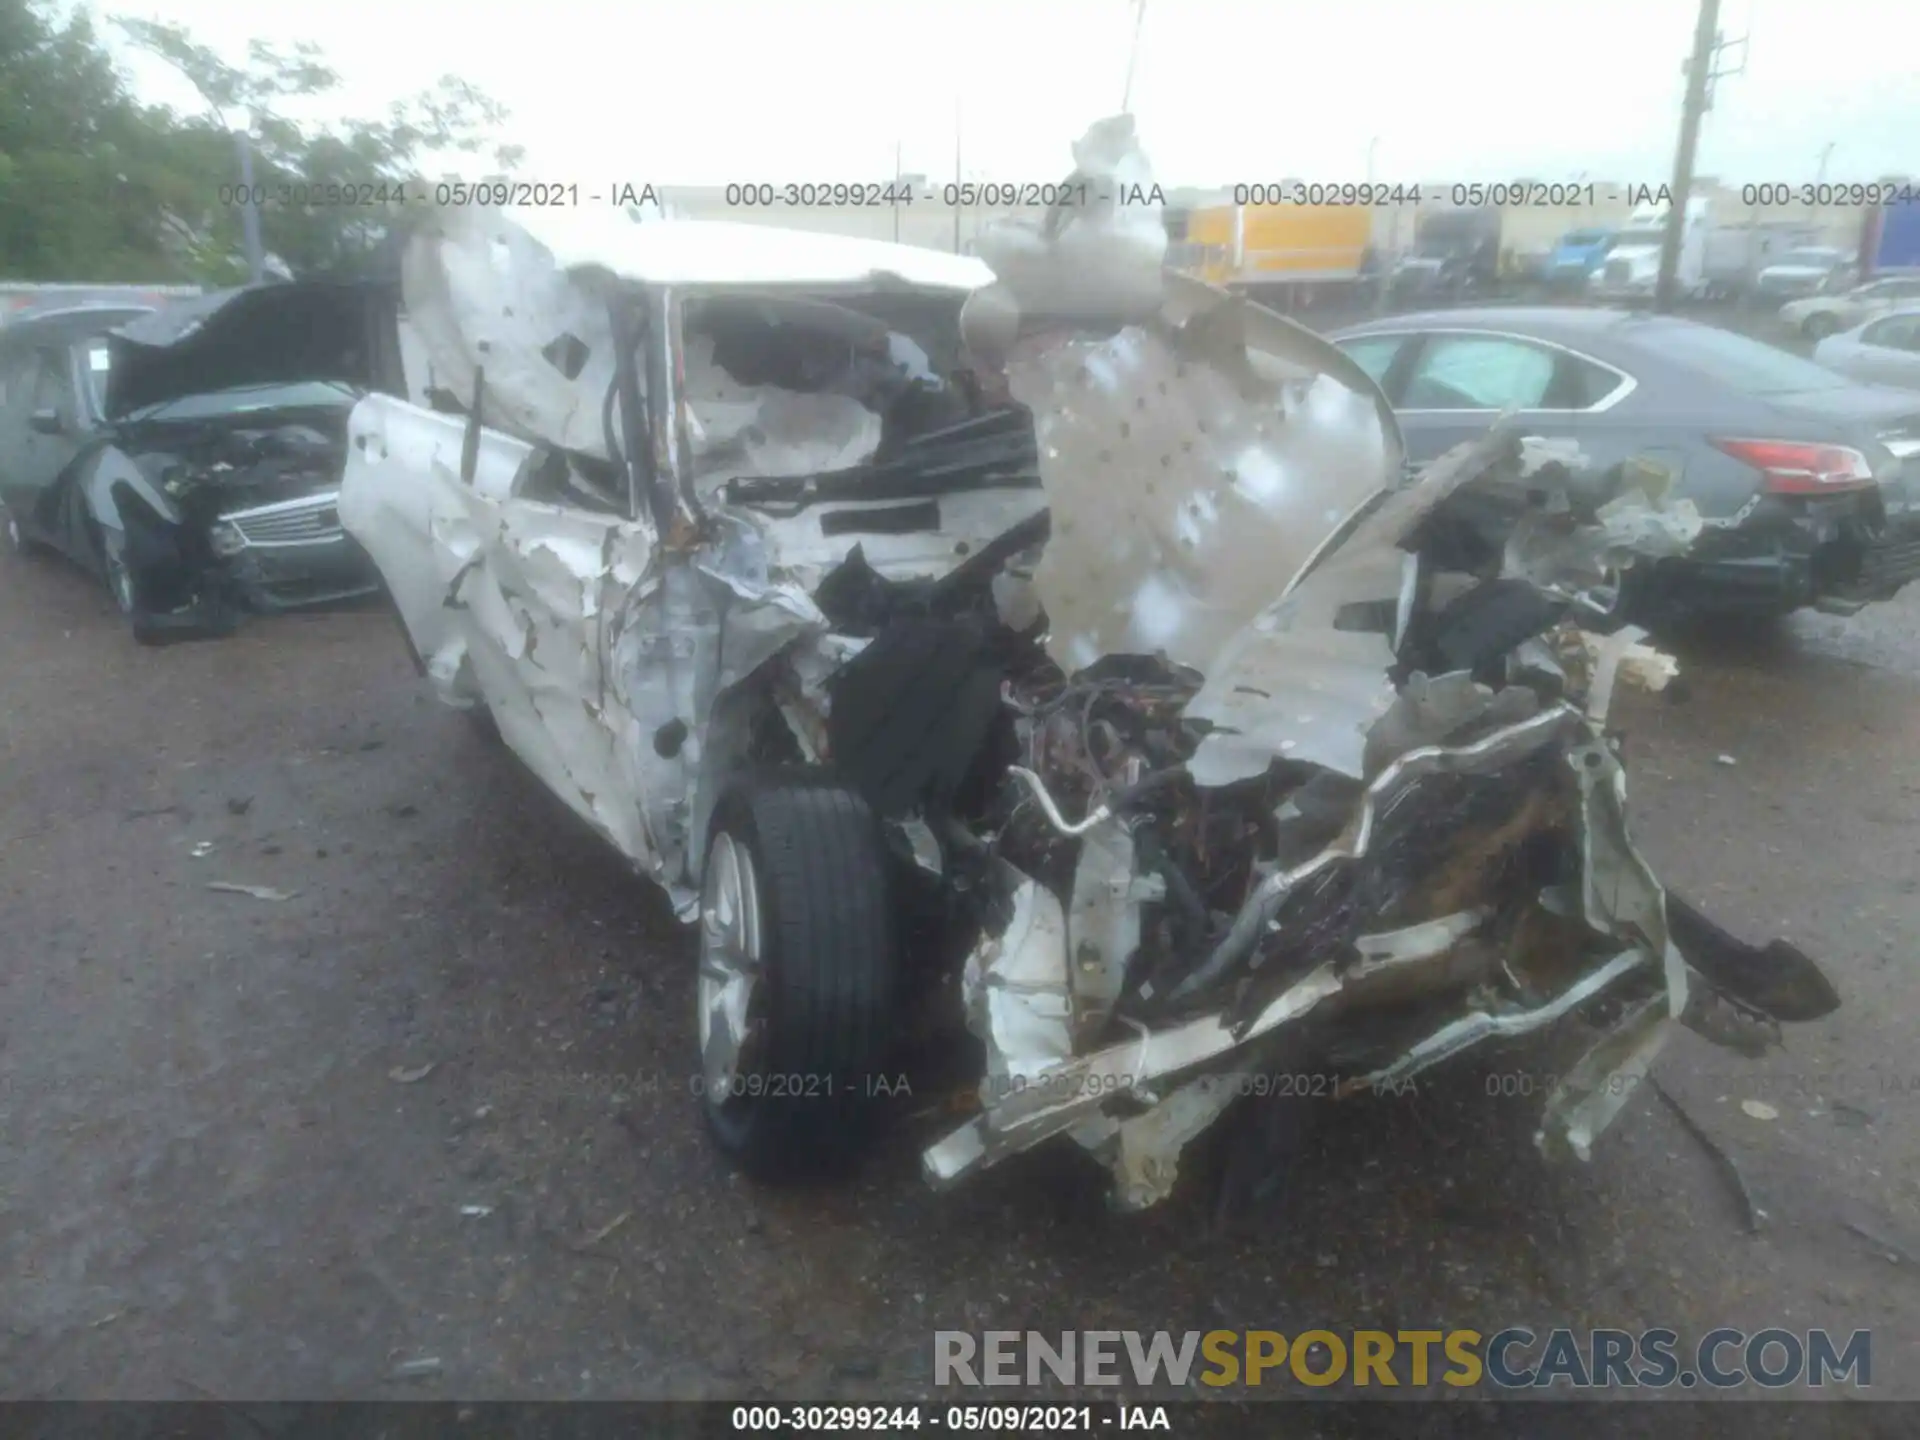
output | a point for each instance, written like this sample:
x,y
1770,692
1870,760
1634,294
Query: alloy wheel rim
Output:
x,y
121,583
731,963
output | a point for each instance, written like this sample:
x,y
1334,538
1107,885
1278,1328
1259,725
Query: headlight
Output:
x,y
226,538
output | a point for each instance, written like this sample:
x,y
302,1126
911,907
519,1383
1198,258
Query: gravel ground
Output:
x,y
434,1106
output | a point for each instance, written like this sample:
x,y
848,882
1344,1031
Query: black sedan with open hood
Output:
x,y
190,456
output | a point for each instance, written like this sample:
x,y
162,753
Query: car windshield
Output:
x,y
302,395
1809,257
1648,235
1585,237
1742,364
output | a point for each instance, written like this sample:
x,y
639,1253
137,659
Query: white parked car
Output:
x,y
1054,647
1809,270
1818,316
1885,350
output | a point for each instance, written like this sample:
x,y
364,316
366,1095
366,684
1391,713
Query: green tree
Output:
x,y
96,186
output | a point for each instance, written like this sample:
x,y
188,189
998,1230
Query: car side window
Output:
x,y
1374,353
1474,372
1583,384
53,384
1897,332
16,397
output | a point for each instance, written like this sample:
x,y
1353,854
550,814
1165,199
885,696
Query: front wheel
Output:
x,y
113,563
1818,327
799,975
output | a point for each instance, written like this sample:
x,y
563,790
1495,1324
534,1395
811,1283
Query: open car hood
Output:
x,y
255,335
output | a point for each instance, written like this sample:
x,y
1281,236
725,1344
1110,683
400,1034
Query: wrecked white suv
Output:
x,y
1053,639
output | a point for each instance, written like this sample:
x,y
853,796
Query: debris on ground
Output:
x,y
1760,1109
1751,1215
258,892
401,1075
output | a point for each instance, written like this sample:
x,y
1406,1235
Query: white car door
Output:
x,y
509,586
1889,351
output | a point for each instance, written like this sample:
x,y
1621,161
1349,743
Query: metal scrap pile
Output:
x,y
1378,815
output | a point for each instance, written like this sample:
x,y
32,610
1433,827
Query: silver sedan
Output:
x,y
1884,350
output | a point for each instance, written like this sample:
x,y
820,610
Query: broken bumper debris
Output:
x,y
1214,740
1380,816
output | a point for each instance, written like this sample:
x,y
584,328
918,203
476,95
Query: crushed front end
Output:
x,y
240,517
1293,776
231,411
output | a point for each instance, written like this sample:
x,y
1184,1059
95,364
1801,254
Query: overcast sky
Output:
x,y
714,91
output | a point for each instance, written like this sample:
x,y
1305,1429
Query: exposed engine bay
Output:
x,y
230,420
1191,728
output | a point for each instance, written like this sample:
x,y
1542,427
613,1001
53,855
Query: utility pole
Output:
x,y
1814,205
1707,45
1699,74
1133,55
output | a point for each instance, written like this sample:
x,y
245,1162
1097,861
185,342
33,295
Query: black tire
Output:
x,y
119,582
1817,327
829,976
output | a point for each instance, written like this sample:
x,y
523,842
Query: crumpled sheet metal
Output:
x,y
1062,1097
1191,458
1177,497
1583,562
1143,1151
1619,899
483,293
1016,985
1103,923
1290,684
505,602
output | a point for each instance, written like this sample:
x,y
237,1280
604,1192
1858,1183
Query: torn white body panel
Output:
x,y
523,295
510,601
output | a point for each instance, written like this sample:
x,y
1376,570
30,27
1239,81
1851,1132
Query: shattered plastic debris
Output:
x,y
258,892
1760,1109
403,1075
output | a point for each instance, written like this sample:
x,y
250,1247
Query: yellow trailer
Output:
x,y
1250,245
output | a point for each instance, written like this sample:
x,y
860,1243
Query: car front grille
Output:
x,y
1617,272
310,521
